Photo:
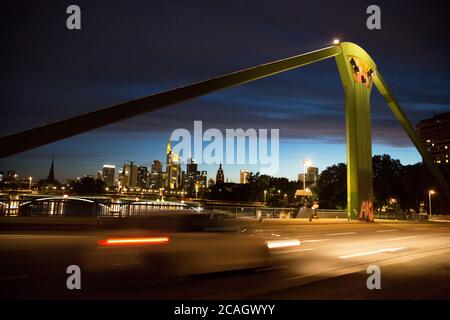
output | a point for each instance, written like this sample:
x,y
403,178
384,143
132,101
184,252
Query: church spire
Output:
x,y
220,178
51,173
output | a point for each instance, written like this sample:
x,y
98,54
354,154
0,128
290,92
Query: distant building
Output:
x,y
108,173
128,176
13,176
142,177
435,135
312,175
203,179
243,176
156,179
190,177
51,173
220,177
51,181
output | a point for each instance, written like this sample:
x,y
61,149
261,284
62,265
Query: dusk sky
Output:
x,y
126,50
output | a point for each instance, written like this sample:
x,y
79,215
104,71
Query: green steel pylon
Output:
x,y
357,71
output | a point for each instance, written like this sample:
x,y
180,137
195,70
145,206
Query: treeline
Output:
x,y
395,186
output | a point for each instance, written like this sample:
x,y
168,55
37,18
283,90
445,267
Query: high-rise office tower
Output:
x,y
191,176
172,169
129,175
142,177
312,174
156,175
203,179
109,172
435,135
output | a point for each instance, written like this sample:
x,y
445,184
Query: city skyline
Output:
x,y
232,172
308,110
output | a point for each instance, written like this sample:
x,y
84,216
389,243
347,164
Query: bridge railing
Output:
x,y
99,208
392,215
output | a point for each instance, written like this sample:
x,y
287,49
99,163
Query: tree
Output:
x,y
88,185
387,179
332,187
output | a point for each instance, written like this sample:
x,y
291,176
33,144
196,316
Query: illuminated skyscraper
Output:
x,y
203,179
172,169
108,174
435,135
191,176
156,175
142,177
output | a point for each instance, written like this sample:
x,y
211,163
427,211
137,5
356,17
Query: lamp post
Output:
x,y
306,164
265,195
30,178
429,200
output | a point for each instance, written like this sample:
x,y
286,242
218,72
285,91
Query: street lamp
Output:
x,y
265,195
429,200
30,178
306,164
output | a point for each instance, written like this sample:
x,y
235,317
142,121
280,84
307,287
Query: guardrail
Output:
x,y
99,208
401,216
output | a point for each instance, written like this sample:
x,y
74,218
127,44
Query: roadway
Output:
x,y
329,263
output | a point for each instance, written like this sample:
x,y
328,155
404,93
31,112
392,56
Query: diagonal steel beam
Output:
x,y
29,139
410,131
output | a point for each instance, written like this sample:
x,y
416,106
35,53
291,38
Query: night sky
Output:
x,y
129,49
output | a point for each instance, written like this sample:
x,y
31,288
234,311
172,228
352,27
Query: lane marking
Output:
x,y
389,230
314,240
370,252
339,234
293,251
401,238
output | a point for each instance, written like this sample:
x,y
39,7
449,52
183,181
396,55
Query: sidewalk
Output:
x,y
305,221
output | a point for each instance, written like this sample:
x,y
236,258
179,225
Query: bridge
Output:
x,y
358,73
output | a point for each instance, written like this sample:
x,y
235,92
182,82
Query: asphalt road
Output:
x,y
330,263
